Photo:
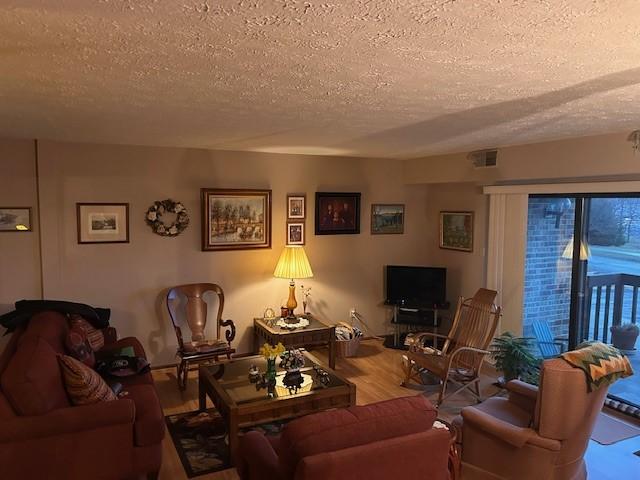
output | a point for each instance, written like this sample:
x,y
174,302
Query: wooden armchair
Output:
x,y
199,349
461,357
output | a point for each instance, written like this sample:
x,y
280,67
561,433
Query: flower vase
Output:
x,y
270,376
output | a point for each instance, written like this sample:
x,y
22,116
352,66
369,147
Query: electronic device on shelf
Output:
x,y
416,288
417,295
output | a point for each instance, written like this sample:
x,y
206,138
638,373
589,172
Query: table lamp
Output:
x,y
293,263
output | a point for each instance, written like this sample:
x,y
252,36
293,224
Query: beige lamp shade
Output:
x,y
293,263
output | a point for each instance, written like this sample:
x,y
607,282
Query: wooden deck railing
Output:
x,y
605,303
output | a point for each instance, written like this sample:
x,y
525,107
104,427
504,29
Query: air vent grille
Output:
x,y
484,158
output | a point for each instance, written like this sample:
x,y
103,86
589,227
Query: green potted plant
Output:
x,y
513,358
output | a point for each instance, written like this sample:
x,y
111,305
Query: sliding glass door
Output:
x,y
582,276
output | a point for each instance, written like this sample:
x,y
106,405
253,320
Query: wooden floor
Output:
x,y
377,373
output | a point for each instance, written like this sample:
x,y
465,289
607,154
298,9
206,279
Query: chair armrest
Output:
x,y
511,434
522,394
256,458
68,421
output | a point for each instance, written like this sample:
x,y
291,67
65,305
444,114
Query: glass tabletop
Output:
x,y
233,378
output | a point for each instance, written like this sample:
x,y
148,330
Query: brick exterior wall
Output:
x,y
547,285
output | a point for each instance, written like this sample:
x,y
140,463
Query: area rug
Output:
x,y
610,430
200,439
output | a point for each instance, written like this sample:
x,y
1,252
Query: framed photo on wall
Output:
x,y
296,206
387,218
337,213
456,231
15,219
103,222
235,219
295,233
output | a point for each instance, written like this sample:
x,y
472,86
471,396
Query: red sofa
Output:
x,y
386,440
43,436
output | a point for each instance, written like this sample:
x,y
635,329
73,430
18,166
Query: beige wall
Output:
x,y
131,278
601,156
19,252
465,270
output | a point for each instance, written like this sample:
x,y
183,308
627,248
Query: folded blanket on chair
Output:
x,y
602,364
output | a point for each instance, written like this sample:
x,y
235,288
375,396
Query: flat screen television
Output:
x,y
416,286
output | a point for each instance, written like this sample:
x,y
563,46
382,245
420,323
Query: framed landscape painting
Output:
x,y
15,219
235,219
456,231
387,218
103,222
337,213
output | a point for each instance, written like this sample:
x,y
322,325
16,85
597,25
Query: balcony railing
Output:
x,y
610,300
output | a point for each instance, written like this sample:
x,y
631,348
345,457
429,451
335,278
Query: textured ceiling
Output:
x,y
383,78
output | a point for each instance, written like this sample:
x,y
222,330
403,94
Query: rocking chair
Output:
x,y
461,357
199,349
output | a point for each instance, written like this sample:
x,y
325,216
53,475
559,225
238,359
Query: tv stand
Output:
x,y
425,318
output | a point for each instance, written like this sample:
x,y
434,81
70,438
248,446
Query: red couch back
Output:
x,y
30,377
365,431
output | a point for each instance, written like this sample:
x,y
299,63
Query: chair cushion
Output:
x,y
83,384
339,429
77,346
95,336
149,422
32,381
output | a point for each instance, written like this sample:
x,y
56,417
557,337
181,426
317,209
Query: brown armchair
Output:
x,y
533,434
188,302
464,349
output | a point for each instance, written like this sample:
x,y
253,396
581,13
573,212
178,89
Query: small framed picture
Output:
x,y
296,207
295,233
103,222
337,213
15,219
456,231
387,218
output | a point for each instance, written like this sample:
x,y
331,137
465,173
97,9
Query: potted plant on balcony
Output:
x,y
514,359
624,336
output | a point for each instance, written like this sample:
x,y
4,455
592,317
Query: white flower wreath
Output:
x,y
154,218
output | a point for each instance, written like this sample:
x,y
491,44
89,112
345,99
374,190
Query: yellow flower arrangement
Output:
x,y
269,352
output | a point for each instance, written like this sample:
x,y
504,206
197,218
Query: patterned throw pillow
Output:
x,y
77,345
84,386
95,336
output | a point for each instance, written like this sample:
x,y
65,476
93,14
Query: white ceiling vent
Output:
x,y
484,158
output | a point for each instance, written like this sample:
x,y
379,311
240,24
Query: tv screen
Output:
x,y
416,286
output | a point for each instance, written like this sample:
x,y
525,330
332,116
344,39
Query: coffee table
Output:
x,y
315,334
242,405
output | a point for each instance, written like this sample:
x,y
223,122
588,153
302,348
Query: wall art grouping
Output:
x,y
103,222
15,219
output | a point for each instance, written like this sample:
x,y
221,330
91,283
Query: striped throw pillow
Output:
x,y
84,386
95,336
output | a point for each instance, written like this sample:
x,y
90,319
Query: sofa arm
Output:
x,y
110,335
524,395
256,458
511,434
68,421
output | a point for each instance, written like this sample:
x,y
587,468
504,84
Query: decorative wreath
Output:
x,y
154,218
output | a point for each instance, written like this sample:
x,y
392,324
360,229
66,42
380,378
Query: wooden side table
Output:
x,y
317,333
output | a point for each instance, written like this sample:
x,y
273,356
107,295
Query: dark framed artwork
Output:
x,y
387,218
456,231
235,219
296,206
103,222
337,213
295,233
15,219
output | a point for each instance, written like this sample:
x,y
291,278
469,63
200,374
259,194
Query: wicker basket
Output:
x,y
347,348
